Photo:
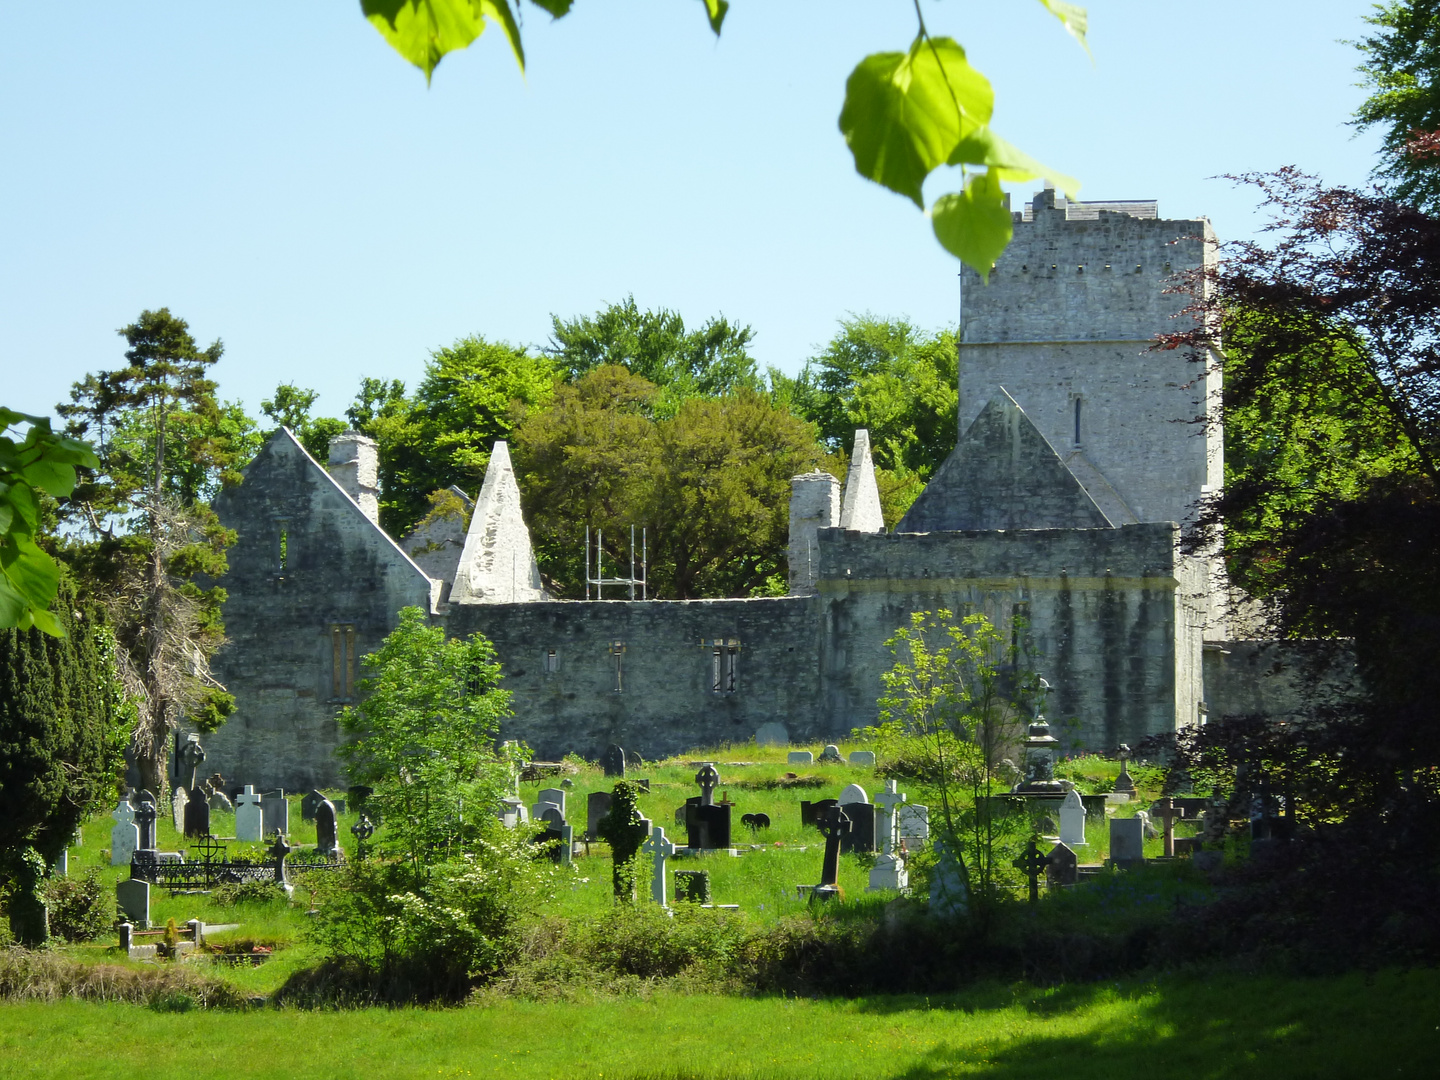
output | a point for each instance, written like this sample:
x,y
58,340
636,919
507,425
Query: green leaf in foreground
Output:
x,y
974,225
905,112
423,31
715,10
984,147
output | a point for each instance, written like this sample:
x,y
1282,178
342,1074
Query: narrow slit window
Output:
x,y
617,651
1077,421
342,660
724,656
282,546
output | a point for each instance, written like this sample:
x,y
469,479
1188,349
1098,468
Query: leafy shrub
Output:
x,y
81,909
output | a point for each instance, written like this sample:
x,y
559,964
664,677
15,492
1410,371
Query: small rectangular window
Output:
x,y
342,660
552,662
1077,421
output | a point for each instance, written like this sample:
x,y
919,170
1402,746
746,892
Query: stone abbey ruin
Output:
x,y
1080,456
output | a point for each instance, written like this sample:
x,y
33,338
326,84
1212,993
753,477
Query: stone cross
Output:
x,y
145,817
188,761
833,825
661,848
1072,820
889,799
362,830
1032,864
1169,813
708,777
249,818
1123,784
125,836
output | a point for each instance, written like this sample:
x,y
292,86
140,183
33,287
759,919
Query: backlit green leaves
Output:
x,y
40,462
423,31
904,113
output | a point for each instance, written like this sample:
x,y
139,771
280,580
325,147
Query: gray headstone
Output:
x,y
133,896
948,895
597,805
772,734
553,795
613,761
275,809
853,794
912,824
800,757
220,802
830,753
865,758
1127,841
249,818
125,836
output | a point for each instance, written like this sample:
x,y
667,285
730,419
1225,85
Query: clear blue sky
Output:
x,y
274,173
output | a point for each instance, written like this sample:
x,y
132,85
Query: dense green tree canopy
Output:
x,y
655,345
290,407
710,483
472,394
1400,68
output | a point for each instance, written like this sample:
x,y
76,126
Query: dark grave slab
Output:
x,y
197,814
810,811
692,886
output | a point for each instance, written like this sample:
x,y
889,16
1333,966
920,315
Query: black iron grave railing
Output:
x,y
209,868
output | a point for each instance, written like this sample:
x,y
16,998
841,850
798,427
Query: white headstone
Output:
x,y
125,836
249,818
1072,820
913,825
178,802
865,758
133,896
772,734
888,873
661,848
853,794
1127,840
800,757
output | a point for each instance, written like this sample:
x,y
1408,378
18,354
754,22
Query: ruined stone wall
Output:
x,y
1068,315
1100,603
1279,679
341,577
560,661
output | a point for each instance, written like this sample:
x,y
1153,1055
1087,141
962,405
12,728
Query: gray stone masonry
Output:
x,y
814,505
436,543
1003,475
355,466
1068,317
860,509
1107,624
497,565
297,631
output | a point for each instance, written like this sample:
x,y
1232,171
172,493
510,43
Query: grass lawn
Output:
x,y
1180,1027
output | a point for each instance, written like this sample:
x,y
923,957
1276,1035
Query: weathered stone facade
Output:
x,y
1061,513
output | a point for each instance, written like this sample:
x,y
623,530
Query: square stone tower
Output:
x,y
1065,326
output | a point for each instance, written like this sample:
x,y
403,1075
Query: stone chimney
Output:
x,y
814,505
355,466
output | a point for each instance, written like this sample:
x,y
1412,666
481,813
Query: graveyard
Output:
x,y
743,843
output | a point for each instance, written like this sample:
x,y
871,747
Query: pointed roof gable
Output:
x,y
861,508
1003,474
497,565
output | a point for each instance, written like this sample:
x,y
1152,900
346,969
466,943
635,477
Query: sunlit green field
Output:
x,y
1355,1026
